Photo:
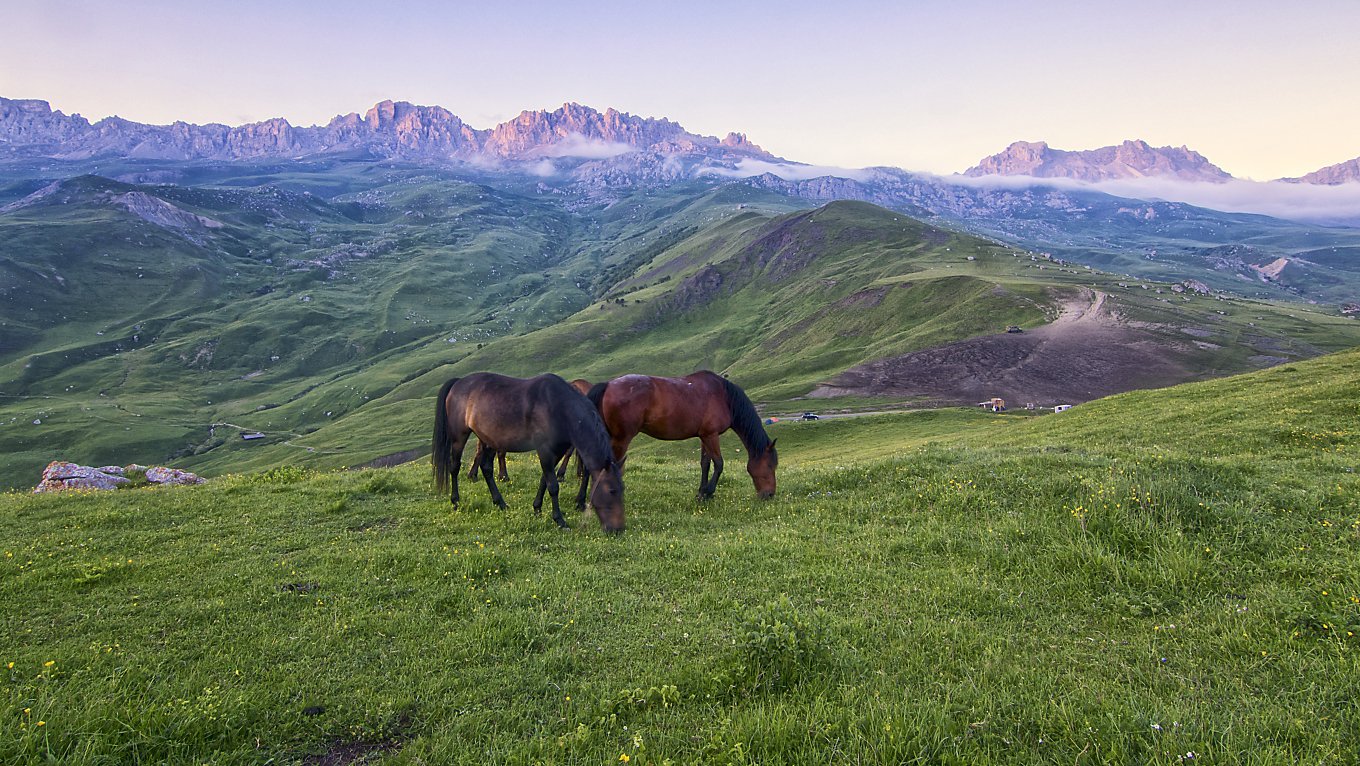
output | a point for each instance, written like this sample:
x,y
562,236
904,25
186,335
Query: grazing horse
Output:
x,y
701,404
543,415
580,384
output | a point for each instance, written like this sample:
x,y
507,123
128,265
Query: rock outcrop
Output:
x,y
1131,159
63,476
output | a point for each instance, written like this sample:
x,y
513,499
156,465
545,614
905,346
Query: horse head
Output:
x,y
607,497
761,465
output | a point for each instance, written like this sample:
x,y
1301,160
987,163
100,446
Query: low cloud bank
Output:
x,y
1299,202
577,145
748,167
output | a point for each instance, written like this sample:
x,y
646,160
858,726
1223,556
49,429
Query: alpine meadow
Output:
x,y
1142,548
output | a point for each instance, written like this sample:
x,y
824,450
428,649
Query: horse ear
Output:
x,y
772,441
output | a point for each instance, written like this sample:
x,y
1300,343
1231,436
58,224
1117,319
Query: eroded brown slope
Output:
x,y
1086,353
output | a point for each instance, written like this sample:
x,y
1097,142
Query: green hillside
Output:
x,y
780,303
323,303
1158,577
151,323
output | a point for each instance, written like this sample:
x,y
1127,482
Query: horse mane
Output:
x,y
745,419
588,434
596,394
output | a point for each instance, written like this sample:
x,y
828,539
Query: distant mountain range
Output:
x,y
31,129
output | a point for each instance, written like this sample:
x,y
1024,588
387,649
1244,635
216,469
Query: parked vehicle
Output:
x,y
810,416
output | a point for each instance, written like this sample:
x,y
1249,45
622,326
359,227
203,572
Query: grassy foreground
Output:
x,y
1159,577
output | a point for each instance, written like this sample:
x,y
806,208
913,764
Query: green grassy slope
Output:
x,y
1151,578
781,303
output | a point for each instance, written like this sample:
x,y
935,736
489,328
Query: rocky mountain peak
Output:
x,y
1332,175
538,132
740,141
1130,159
32,121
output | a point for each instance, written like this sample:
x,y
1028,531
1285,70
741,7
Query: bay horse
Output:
x,y
580,384
543,415
702,404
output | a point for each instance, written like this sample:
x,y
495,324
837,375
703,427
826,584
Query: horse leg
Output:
x,y
538,499
566,460
500,460
488,458
581,493
619,444
548,462
476,462
704,463
713,452
456,456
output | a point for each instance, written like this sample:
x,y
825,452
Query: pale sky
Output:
x,y
1262,89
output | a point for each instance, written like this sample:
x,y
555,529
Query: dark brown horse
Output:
x,y
580,384
701,404
543,415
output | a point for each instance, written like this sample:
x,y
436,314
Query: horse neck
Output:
x,y
591,440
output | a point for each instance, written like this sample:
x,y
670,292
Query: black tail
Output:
x,y
442,447
596,394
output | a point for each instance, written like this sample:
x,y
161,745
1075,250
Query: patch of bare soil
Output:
x,y
394,459
1084,354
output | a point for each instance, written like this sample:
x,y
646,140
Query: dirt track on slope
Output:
x,y
1083,354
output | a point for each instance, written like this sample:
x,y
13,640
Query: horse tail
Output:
x,y
596,395
745,419
441,449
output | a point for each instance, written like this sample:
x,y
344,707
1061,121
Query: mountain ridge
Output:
x,y
1332,175
1130,159
398,129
